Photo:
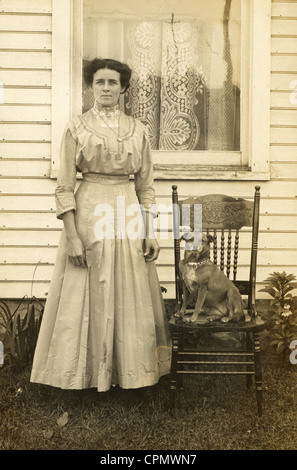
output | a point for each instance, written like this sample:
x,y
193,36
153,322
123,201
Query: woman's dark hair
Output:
x,y
123,69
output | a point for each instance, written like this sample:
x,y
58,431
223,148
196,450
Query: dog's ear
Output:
x,y
209,238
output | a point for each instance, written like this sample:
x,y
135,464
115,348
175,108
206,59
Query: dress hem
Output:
x,y
87,382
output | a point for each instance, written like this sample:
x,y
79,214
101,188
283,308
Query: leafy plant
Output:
x,y
19,330
281,314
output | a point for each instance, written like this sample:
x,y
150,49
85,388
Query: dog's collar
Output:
x,y
196,264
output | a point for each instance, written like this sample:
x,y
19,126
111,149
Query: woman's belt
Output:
x,y
105,179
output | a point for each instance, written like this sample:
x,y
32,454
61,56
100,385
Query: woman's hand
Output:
x,y
151,249
75,248
76,252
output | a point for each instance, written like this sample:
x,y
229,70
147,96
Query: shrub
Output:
x,y
281,314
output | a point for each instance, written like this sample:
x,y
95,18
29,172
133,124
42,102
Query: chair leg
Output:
x,y
174,380
249,348
258,372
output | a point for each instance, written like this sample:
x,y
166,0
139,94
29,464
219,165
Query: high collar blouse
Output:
x,y
93,142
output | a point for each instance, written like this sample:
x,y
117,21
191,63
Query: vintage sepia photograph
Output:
x,y
148,188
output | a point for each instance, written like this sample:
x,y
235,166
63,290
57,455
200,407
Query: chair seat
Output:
x,y
247,325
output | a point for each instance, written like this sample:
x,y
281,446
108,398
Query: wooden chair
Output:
x,y
226,219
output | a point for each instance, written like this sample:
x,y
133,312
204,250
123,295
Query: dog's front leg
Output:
x,y
202,291
184,302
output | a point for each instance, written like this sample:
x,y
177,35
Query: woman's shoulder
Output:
x,y
83,117
136,124
79,122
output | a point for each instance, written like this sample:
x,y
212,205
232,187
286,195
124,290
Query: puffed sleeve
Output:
x,y
144,179
66,180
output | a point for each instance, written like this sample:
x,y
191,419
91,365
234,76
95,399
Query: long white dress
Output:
x,y
104,324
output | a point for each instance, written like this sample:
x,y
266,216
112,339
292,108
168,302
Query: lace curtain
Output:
x,y
183,86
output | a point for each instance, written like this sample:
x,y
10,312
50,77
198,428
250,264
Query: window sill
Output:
x,y
204,172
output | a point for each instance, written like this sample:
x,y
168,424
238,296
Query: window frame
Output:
x,y
67,26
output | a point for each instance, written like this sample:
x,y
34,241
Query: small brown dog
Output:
x,y
214,294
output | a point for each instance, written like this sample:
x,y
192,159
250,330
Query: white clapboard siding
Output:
x,y
25,23
32,78
24,219
25,149
22,95
20,40
25,146
25,167
38,114
25,59
283,109
284,135
283,104
39,185
19,289
32,203
283,170
282,62
278,116
283,81
282,99
26,6
42,272
30,237
283,9
278,206
282,153
279,27
15,132
283,45
27,255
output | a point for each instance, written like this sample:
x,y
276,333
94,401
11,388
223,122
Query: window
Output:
x,y
195,82
186,68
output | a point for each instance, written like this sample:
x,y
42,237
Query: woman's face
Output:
x,y
107,87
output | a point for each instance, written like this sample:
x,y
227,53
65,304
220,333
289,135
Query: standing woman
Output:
x,y
104,322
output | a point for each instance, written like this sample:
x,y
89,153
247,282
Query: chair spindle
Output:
x,y
222,250
229,253
215,247
236,245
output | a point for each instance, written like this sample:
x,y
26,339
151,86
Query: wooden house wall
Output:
x,y
29,229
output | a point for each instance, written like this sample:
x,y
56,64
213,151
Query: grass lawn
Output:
x,y
214,413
